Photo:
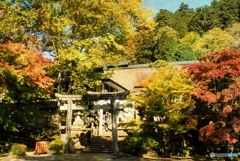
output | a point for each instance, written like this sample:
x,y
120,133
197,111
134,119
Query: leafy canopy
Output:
x,y
168,93
213,40
81,35
217,78
165,43
22,73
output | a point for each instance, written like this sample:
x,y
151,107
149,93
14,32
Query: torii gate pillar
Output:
x,y
69,99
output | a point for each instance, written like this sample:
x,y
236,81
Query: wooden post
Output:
x,y
68,126
114,128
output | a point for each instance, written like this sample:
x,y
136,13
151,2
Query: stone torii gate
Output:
x,y
92,96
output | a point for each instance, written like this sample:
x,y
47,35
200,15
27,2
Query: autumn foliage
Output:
x,y
217,78
166,105
22,72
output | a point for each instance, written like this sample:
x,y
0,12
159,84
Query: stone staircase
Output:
x,y
100,144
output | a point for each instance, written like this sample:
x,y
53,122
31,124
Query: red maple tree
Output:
x,y
23,72
217,78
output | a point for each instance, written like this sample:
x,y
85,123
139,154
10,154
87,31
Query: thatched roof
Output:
x,y
130,76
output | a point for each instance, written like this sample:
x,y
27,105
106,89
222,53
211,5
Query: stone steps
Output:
x,y
100,144
97,150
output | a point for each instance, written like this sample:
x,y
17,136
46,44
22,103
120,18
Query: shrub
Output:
x,y
148,143
140,141
57,146
18,150
139,144
131,144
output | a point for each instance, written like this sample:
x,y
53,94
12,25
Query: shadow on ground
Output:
x,y
93,157
77,157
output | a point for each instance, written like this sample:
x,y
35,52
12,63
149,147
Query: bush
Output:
x,y
148,143
18,150
131,144
57,146
139,144
140,141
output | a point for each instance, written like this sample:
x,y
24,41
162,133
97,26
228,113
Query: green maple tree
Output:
x,y
166,104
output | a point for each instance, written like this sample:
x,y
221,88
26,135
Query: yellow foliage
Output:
x,y
168,92
164,126
83,35
213,40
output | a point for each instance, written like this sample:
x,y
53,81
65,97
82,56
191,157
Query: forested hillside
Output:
x,y
189,33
